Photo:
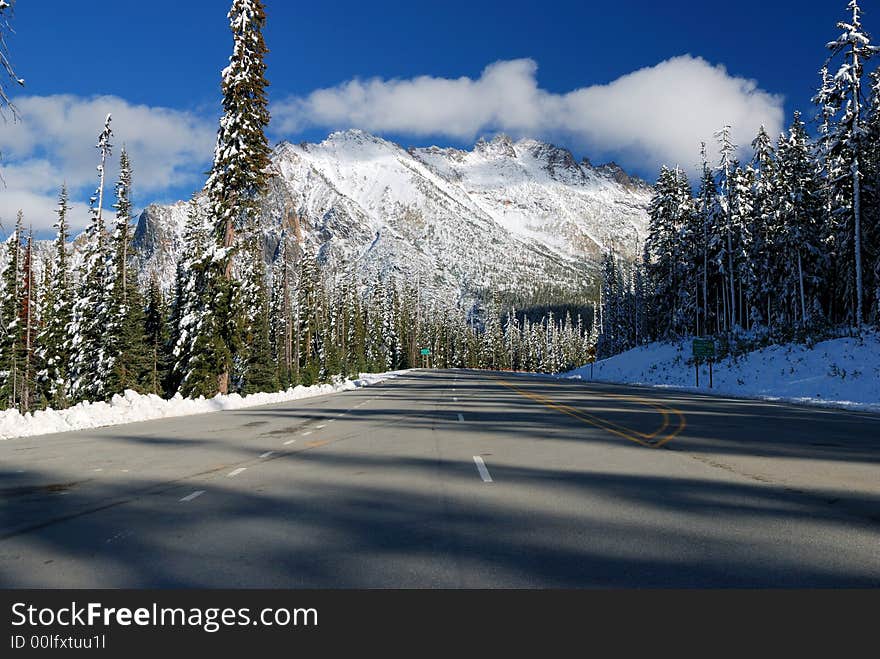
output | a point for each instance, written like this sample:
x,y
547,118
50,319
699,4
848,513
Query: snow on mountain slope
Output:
x,y
841,372
521,216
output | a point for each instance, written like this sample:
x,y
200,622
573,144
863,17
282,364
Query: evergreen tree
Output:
x,y
307,320
709,216
127,348
28,322
846,145
10,306
798,227
156,337
90,362
727,189
239,174
53,340
762,230
672,252
260,372
871,201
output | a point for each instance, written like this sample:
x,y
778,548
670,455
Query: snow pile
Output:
x,y
836,373
133,406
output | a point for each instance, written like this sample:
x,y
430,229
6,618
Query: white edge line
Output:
x,y
481,467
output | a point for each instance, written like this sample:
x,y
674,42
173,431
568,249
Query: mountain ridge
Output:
x,y
513,216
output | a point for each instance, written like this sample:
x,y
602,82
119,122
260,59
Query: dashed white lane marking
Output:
x,y
307,433
328,421
481,467
125,471
460,417
236,472
267,454
194,495
323,425
455,399
289,442
98,469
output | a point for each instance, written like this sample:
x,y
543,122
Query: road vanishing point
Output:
x,y
453,479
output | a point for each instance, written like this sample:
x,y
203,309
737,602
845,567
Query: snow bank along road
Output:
x,y
452,479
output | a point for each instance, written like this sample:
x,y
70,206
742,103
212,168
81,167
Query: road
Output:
x,y
453,479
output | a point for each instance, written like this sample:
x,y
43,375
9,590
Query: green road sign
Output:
x,y
426,351
704,348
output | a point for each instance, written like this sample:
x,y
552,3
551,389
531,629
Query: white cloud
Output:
x,y
54,143
655,115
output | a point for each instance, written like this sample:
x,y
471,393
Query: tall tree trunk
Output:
x,y
801,280
857,212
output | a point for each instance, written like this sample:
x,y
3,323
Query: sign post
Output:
x,y
703,349
426,354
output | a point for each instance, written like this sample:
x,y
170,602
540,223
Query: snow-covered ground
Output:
x,y
836,373
137,407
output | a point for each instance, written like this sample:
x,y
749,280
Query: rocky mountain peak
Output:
x,y
509,216
500,146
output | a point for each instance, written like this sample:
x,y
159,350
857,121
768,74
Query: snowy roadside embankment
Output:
x,y
835,373
133,406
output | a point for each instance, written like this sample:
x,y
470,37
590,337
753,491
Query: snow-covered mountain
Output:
x,y
512,216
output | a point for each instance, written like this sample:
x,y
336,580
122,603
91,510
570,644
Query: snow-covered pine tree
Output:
x,y
871,199
89,359
53,340
389,331
609,342
671,247
760,257
238,175
29,323
10,305
726,168
798,247
709,217
853,47
156,337
260,373
281,334
745,226
190,374
128,354
356,331
307,319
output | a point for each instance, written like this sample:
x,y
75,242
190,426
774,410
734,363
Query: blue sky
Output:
x,y
157,64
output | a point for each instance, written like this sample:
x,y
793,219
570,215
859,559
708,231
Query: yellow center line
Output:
x,y
629,434
317,444
664,411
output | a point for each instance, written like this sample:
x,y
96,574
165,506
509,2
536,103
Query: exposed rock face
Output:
x,y
507,215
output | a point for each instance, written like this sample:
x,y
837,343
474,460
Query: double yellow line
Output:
x,y
655,439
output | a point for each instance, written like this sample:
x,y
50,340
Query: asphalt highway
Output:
x,y
453,479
